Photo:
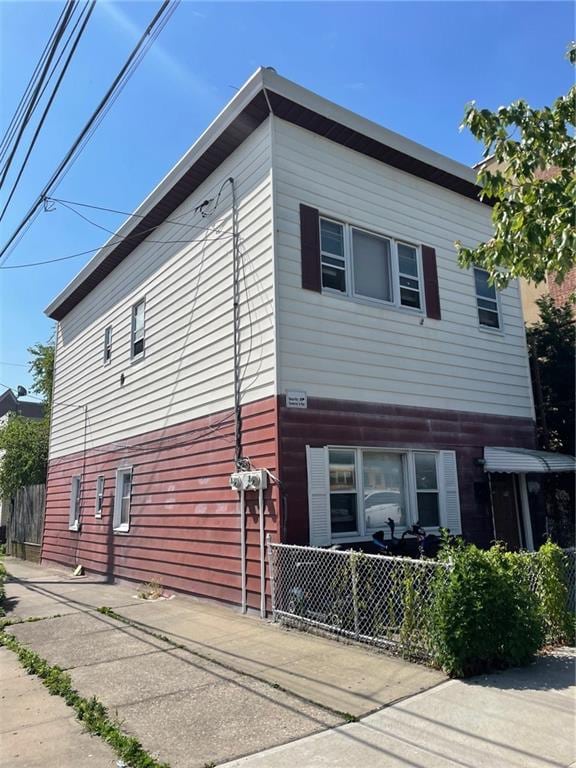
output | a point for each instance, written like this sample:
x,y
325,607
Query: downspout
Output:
x,y
243,550
262,551
525,507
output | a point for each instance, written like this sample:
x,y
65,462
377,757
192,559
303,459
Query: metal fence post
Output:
x,y
354,575
271,565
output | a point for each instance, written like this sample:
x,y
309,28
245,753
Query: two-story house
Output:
x,y
287,299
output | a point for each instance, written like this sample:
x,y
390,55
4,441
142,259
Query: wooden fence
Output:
x,y
23,515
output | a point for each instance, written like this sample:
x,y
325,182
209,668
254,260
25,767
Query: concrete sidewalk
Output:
x,y
341,677
233,687
521,718
39,730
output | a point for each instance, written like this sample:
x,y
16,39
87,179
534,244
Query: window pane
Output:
x,y
383,488
428,513
343,512
372,273
407,261
482,287
487,304
342,470
126,482
332,277
138,347
409,298
488,318
125,512
139,316
425,471
332,237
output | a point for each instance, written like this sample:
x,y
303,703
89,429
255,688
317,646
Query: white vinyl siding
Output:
x,y
352,492
75,491
122,499
364,350
187,368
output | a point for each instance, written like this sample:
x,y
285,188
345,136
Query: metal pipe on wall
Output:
x,y
262,551
243,550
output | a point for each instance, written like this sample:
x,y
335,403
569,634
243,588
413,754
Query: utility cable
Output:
x,y
90,8
24,99
86,129
70,8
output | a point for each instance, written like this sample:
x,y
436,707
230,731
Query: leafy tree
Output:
x,y
552,360
24,443
531,180
42,369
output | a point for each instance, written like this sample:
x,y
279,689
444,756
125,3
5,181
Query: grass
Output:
x,y
90,712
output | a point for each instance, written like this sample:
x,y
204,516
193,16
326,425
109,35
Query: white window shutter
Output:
x,y
450,517
318,497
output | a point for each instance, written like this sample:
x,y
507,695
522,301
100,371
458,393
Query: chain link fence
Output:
x,y
374,599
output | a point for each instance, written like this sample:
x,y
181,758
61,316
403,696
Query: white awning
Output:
x,y
526,460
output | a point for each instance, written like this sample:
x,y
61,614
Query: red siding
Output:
x,y
184,520
343,422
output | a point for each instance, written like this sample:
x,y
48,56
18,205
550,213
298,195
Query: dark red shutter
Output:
x,y
431,291
310,245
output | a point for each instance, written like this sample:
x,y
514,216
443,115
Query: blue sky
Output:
x,y
410,66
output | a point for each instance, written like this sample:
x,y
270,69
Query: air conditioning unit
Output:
x,y
248,481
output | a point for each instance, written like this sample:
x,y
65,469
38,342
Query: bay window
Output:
x,y
367,265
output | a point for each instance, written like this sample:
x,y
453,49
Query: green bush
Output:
x,y
550,567
483,615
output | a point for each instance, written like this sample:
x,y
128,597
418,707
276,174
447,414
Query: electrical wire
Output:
x,y
118,83
24,99
89,8
70,9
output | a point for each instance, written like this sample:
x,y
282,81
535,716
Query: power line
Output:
x,y
87,13
69,12
118,83
16,117
18,365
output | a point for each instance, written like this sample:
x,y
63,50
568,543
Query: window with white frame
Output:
x,y
486,300
122,499
107,344
370,486
368,265
138,329
99,496
74,515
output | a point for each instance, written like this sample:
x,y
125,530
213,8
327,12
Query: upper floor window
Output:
x,y
366,265
138,329
107,344
486,300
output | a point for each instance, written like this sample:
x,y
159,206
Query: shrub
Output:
x,y
483,615
550,567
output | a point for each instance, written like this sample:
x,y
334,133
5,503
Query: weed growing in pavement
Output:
x,y
151,590
91,712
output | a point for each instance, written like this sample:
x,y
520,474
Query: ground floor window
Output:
x,y
367,487
74,515
122,499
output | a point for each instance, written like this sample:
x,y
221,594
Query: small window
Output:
x,y
343,502
372,267
138,329
122,499
408,276
74,518
486,300
99,496
332,255
427,492
107,344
